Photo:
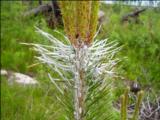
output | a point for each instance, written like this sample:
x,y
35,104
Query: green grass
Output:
x,y
24,102
141,43
140,57
28,103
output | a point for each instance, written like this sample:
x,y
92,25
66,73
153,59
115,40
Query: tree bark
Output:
x,y
133,15
39,9
40,2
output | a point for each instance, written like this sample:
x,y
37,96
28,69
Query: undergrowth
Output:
x,y
141,57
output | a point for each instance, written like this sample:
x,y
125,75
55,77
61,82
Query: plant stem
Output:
x,y
138,103
79,84
124,104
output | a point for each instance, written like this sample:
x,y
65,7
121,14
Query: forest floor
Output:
x,y
140,57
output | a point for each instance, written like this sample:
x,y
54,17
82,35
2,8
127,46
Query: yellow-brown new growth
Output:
x,y
80,20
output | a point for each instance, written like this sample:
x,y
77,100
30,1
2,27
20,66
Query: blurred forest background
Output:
x,y
140,57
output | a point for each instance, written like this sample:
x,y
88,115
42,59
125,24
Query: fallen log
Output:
x,y
40,9
54,18
48,8
134,15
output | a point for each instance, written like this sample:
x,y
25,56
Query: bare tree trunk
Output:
x,y
40,2
56,8
57,12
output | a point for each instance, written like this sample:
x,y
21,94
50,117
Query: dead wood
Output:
x,y
40,9
133,15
